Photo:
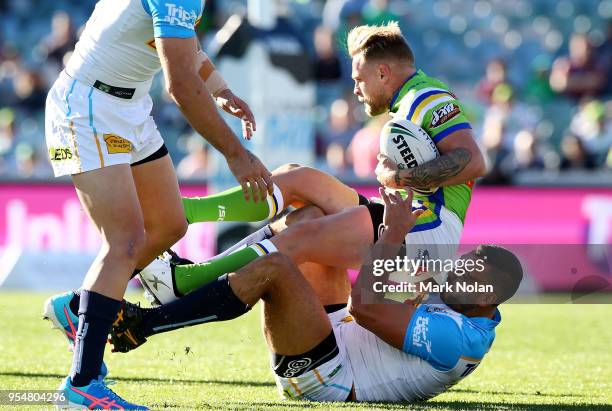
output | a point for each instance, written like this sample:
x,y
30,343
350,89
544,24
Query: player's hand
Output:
x,y
233,105
387,172
252,175
398,217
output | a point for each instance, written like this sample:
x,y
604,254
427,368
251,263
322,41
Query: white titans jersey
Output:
x,y
441,347
117,46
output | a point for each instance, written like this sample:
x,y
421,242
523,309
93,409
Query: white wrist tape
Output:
x,y
212,78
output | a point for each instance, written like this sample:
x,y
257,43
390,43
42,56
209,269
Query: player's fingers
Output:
x,y
417,213
248,114
254,190
245,130
269,183
263,190
409,197
245,189
384,196
395,197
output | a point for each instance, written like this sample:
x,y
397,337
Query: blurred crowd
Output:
x,y
534,76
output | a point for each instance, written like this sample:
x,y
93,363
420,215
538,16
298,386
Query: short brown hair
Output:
x,y
379,42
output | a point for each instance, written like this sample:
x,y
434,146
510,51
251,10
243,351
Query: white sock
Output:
x,y
275,202
262,234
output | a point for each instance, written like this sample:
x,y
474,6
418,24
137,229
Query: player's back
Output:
x,y
440,348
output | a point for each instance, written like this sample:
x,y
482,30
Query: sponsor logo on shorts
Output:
x,y
347,319
178,16
443,114
60,153
116,144
296,366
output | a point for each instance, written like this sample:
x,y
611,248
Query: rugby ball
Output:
x,y
408,145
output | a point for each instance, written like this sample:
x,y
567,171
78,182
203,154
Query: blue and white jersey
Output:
x,y
451,343
441,347
117,46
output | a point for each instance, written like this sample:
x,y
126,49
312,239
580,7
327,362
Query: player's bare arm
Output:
x,y
190,94
224,97
460,161
385,318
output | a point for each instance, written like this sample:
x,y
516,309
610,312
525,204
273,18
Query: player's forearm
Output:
x,y
458,166
208,73
386,248
194,100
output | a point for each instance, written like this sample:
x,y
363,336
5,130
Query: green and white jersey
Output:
x,y
430,104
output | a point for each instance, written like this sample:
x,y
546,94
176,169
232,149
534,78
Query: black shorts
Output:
x,y
377,211
163,150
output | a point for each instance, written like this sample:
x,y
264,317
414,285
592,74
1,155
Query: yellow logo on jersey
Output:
x,y
116,144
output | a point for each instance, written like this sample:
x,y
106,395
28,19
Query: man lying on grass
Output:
x,y
338,344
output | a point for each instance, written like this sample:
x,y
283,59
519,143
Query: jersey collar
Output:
x,y
394,105
487,323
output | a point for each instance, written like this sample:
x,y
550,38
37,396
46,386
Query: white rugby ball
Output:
x,y
408,145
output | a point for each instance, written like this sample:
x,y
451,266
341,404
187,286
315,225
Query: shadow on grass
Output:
x,y
148,379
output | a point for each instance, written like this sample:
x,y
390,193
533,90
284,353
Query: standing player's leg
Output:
x,y
109,197
294,185
164,219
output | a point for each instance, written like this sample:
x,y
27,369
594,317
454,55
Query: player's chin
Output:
x,y
374,110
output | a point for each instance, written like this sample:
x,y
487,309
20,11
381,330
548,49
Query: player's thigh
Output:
x,y
300,184
331,284
160,198
339,240
109,198
294,321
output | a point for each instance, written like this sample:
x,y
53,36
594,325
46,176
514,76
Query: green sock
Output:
x,y
193,276
230,205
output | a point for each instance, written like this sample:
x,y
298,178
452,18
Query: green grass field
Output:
x,y
545,357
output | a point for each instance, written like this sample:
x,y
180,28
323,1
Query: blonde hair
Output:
x,y
379,42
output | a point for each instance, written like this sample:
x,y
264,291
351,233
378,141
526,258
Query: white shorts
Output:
x,y
331,381
380,372
87,129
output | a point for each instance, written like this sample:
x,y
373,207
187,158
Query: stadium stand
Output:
x,y
529,41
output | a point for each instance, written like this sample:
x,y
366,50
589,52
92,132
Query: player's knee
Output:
x,y
286,168
177,230
165,235
304,230
277,266
307,213
127,247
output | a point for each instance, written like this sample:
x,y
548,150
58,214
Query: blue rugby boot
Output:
x,y
95,396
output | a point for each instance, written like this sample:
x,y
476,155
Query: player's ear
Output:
x,y
384,72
